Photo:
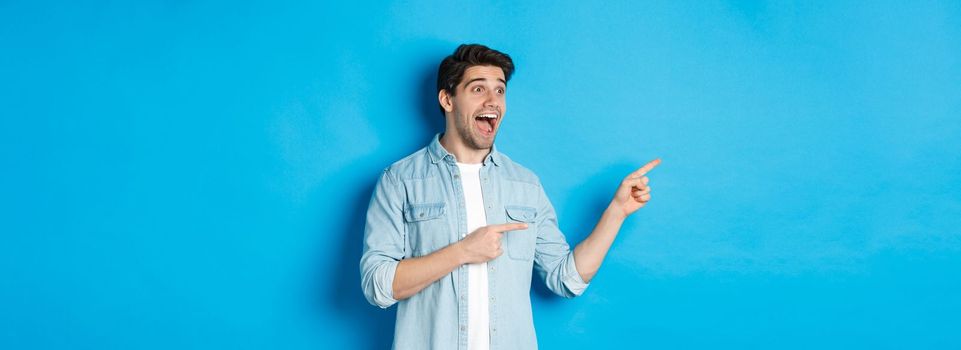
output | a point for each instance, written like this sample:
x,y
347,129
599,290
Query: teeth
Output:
x,y
491,116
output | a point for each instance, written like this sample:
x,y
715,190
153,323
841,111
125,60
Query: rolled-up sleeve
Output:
x,y
553,257
384,237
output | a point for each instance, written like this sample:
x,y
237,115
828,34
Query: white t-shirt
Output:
x,y
478,314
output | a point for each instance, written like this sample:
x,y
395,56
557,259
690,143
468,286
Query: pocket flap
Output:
x,y
420,212
522,214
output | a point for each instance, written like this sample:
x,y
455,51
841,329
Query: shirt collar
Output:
x,y
438,153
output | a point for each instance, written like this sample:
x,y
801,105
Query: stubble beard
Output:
x,y
471,139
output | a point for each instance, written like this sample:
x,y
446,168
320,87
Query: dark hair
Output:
x,y
452,68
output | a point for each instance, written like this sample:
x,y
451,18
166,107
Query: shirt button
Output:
x,y
456,177
489,206
492,268
462,328
421,215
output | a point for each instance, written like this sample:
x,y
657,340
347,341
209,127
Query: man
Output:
x,y
455,230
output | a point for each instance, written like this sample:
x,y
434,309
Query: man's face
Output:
x,y
478,107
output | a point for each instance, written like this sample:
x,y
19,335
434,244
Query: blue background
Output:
x,y
194,174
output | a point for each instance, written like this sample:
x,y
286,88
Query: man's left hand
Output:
x,y
634,192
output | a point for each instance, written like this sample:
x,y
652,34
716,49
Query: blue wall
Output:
x,y
194,174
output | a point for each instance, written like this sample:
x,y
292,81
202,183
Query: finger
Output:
x,y
639,183
640,191
647,167
646,197
508,227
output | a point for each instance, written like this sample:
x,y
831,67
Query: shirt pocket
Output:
x,y
520,243
426,227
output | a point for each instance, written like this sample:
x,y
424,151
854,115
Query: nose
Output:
x,y
492,99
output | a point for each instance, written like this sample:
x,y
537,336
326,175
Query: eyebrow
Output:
x,y
482,79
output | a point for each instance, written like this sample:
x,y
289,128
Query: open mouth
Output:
x,y
486,123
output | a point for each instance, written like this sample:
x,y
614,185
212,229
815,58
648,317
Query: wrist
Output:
x,y
615,212
458,252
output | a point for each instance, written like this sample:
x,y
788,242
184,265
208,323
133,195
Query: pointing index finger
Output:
x,y
509,227
647,167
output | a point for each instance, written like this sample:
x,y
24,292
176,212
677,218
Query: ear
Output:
x,y
445,100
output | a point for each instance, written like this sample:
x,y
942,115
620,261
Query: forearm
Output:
x,y
414,274
590,253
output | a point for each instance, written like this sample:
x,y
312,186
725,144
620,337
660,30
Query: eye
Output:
x,y
500,91
477,89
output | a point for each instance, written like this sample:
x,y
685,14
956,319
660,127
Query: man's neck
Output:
x,y
461,152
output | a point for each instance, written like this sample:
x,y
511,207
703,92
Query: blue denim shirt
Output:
x,y
418,207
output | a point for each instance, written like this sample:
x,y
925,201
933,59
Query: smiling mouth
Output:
x,y
486,122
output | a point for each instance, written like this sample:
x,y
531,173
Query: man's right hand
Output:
x,y
484,244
